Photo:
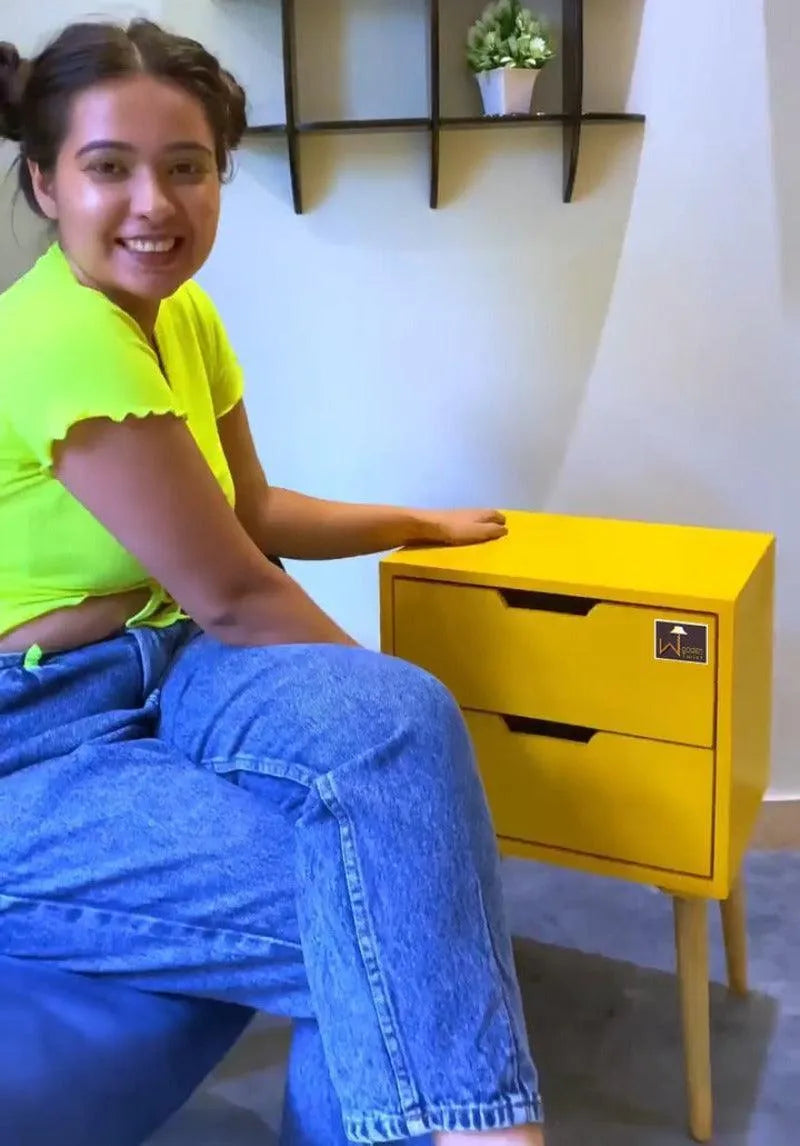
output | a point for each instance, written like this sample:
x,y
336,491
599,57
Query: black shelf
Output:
x,y
435,86
572,118
483,121
290,100
324,127
613,117
339,126
255,129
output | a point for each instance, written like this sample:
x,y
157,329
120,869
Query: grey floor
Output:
x,y
595,961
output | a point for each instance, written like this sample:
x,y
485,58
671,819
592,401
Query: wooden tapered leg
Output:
x,y
734,928
691,943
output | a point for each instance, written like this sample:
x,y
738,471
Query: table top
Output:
x,y
599,557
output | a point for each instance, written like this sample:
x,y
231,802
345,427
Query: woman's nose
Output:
x,y
150,199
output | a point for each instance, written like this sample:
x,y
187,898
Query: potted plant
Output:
x,y
507,47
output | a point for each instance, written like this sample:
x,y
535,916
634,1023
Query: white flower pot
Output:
x,y
508,91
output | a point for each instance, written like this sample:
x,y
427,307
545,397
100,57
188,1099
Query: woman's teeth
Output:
x,y
150,246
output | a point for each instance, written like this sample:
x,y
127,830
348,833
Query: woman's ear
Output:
x,y
43,190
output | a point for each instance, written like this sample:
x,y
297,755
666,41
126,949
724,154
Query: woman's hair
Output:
x,y
36,95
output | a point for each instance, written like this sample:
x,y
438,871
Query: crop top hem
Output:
x,y
145,410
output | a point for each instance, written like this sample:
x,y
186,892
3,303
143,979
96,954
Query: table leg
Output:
x,y
734,929
691,943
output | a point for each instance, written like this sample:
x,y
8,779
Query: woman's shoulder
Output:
x,y
68,353
47,314
195,314
193,309
48,283
194,305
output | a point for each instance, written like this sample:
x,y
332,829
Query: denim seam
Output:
x,y
285,770
325,787
519,1087
137,917
504,1113
387,1019
506,1003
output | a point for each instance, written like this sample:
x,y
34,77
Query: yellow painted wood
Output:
x,y
669,882
691,944
439,608
597,670
748,707
386,598
641,562
734,929
618,797
668,792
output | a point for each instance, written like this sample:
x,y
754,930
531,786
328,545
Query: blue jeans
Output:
x,y
300,829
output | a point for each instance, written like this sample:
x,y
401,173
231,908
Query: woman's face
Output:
x,y
135,192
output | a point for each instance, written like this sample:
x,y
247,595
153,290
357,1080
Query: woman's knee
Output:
x,y
356,702
320,705
403,709
403,752
407,693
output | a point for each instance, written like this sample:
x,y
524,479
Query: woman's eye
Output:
x,y
188,169
107,168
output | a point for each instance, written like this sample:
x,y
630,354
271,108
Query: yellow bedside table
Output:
x,y
616,679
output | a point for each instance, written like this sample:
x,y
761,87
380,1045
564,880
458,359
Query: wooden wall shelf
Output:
x,y
571,119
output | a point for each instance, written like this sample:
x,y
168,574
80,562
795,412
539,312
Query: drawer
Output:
x,y
617,797
513,652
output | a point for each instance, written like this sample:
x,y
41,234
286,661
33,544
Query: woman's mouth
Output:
x,y
152,252
149,246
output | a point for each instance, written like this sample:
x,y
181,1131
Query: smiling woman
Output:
x,y
205,787
136,212
136,208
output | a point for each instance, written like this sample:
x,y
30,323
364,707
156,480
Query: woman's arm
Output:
x,y
291,524
146,481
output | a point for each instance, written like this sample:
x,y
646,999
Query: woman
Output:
x,y
244,804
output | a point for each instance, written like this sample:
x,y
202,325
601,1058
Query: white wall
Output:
x,y
634,354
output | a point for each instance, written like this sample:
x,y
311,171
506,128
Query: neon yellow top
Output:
x,y
67,354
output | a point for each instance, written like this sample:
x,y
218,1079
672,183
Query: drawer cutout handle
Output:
x,y
555,730
548,602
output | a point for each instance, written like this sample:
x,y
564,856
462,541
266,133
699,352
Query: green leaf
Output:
x,y
508,35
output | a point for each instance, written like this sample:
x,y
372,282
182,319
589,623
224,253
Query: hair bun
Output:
x,y
13,73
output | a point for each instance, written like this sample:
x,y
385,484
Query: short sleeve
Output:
x,y
226,378
97,365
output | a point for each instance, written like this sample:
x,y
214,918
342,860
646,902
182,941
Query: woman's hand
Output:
x,y
459,526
